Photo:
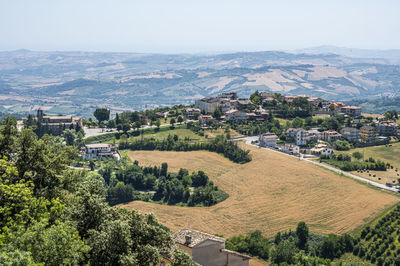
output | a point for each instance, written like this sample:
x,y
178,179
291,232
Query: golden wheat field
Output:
x,y
271,193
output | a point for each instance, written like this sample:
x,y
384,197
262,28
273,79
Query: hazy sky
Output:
x,y
197,26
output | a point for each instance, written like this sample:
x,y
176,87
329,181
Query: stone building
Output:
x,y
207,249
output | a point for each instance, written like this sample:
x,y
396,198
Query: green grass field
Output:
x,y
383,153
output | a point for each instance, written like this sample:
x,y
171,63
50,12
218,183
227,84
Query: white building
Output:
x,y
299,135
351,134
236,115
99,150
207,105
290,149
322,149
268,140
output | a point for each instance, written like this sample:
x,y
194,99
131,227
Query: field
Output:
x,y
271,193
386,154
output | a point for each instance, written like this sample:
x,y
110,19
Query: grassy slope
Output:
x,y
386,154
272,193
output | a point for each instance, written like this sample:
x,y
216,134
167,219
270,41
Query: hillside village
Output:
x,y
302,126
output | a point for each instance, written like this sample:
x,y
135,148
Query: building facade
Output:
x,y
368,134
268,140
351,134
208,250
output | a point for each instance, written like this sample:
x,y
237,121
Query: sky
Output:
x,y
187,26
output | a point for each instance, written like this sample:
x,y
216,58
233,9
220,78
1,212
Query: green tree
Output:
x,y
180,119
8,131
172,121
302,235
182,258
102,114
69,136
217,113
284,252
297,122
126,127
357,155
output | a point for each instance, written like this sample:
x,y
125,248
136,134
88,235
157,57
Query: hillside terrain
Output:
x,y
266,198
77,82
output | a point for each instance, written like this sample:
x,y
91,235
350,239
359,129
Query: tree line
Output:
x,y
220,145
133,182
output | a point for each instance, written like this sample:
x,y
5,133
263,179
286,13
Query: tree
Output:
x,y
158,124
180,119
102,114
182,258
164,169
302,235
172,122
297,122
8,131
284,252
357,155
111,124
255,98
126,127
69,136
217,113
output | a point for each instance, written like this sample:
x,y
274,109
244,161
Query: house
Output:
x,y
207,249
338,106
351,110
290,149
331,135
351,134
191,113
207,105
265,95
322,149
55,125
236,115
313,135
99,151
268,140
228,95
368,134
205,119
268,101
386,128
243,103
299,135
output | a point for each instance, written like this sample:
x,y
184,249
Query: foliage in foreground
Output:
x,y
52,215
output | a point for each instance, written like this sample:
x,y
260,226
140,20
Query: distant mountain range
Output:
x,y
78,82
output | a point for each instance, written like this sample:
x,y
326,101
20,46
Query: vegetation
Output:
x,y
379,243
272,188
53,215
126,184
294,247
220,145
345,163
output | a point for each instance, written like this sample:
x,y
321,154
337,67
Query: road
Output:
x,y
362,179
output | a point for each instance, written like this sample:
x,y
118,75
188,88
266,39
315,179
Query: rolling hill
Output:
x,y
77,82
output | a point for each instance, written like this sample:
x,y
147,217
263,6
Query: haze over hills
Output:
x,y
76,82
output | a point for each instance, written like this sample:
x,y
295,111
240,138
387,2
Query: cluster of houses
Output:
x,y
368,134
236,109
